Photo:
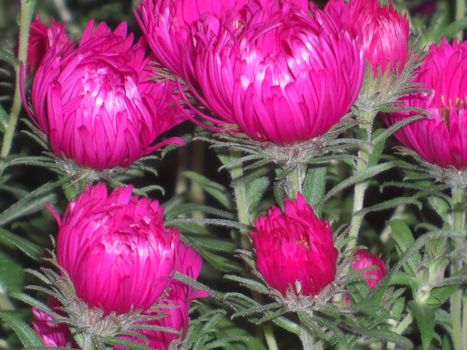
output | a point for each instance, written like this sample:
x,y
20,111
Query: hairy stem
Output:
x,y
27,9
294,181
458,305
307,337
360,188
460,14
243,214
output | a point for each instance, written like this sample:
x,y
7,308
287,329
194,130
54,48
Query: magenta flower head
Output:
x,y
441,138
166,24
285,77
382,31
116,249
374,266
295,247
95,99
178,299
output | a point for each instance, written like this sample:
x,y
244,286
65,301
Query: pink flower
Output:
x,y
166,24
116,249
95,101
295,246
440,139
282,76
365,260
383,32
53,334
178,299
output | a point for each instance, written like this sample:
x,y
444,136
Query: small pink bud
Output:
x,y
53,334
95,100
116,249
365,260
295,246
441,138
382,31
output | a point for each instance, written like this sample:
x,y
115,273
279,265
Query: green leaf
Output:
x,y
4,118
126,343
314,185
11,274
30,249
31,203
26,335
218,191
403,237
391,203
425,317
357,178
255,190
8,57
438,296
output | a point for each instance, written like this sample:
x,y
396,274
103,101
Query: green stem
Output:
x,y
400,328
360,188
294,181
307,337
460,14
241,200
27,9
243,214
458,311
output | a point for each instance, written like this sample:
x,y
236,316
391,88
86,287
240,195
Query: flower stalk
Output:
x,y
360,188
307,338
458,300
460,14
294,180
243,215
27,9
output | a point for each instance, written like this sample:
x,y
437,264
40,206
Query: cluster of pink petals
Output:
x,y
178,299
382,31
95,99
279,74
295,245
166,24
375,268
441,138
116,249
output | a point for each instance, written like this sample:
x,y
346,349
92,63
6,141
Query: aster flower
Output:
x,y
294,249
95,100
440,138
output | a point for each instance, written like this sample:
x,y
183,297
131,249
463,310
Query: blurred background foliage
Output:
x,y
188,175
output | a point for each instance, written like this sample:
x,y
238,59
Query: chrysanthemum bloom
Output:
x,y
294,248
382,31
166,24
116,249
178,299
285,78
96,102
441,138
53,334
374,266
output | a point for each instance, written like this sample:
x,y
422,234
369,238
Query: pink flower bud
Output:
x,y
441,138
383,32
365,260
116,249
166,24
53,334
295,246
95,101
178,300
276,73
